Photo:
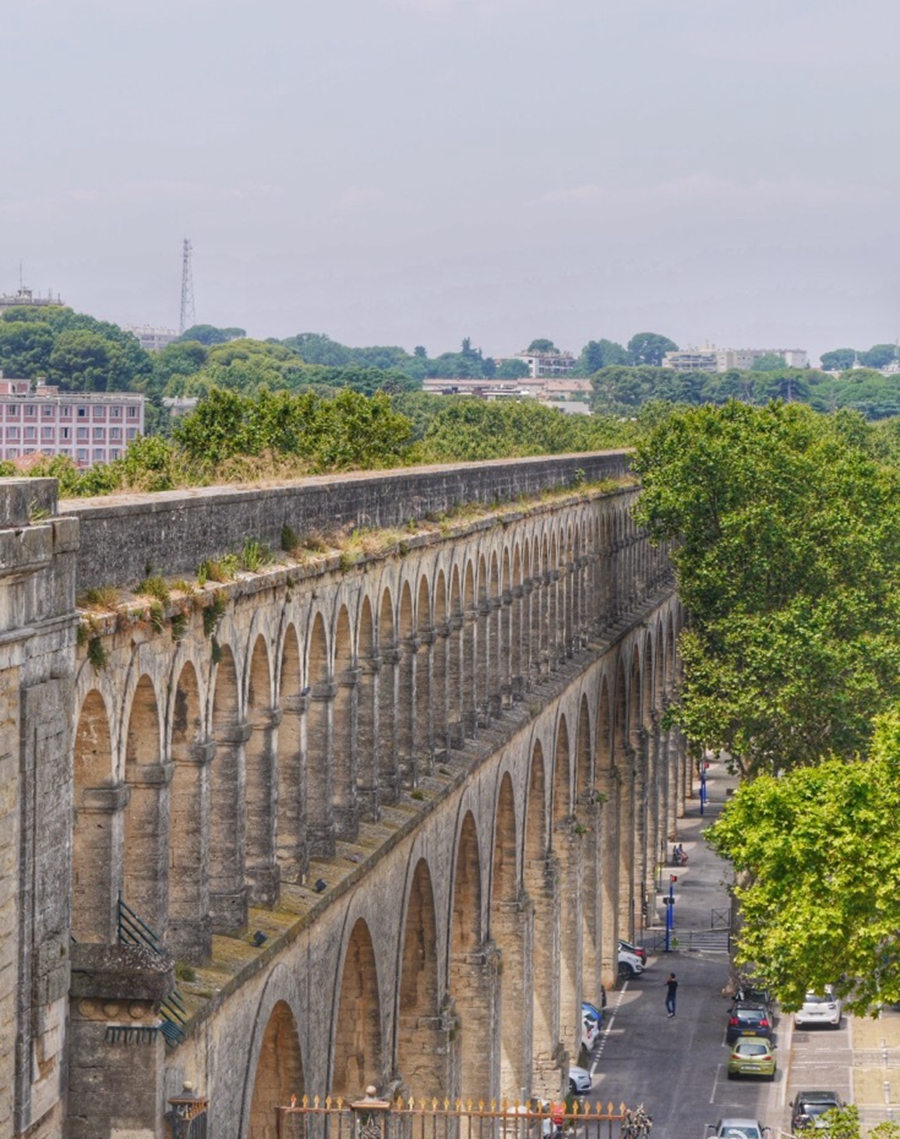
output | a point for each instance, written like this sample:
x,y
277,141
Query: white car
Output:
x,y
819,1008
579,1081
630,965
590,1032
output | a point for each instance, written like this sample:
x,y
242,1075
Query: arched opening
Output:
x,y
567,846
470,646
367,715
471,978
290,835
439,671
421,1039
424,654
147,813
509,931
455,673
262,745
189,934
587,827
97,834
279,1072
517,632
608,786
406,702
358,1059
484,637
388,688
228,814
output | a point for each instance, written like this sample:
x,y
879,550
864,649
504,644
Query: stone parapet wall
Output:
x,y
175,531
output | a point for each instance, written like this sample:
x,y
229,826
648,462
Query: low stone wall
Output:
x,y
174,531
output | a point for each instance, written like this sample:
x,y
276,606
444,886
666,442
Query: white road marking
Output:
x,y
712,1098
605,1033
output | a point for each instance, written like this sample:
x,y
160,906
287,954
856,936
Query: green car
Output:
x,y
751,1056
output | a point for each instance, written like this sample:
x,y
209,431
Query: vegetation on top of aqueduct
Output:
x,y
231,437
787,558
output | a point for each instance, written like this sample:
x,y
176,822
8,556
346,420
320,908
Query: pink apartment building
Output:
x,y
88,427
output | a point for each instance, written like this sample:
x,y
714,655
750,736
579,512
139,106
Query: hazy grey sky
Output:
x,y
416,171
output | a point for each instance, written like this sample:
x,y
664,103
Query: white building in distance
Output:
x,y
543,364
25,297
712,359
151,337
87,427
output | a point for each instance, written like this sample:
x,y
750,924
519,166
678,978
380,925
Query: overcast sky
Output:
x,y
416,171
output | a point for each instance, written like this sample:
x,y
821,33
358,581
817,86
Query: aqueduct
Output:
x,y
376,820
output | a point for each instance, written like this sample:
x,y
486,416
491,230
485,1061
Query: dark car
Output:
x,y
808,1108
754,994
746,1019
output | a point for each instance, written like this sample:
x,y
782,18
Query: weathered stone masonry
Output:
x,y
460,747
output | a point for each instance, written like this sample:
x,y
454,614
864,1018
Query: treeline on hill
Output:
x,y
784,527
232,437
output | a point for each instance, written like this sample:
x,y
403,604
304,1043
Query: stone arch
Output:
x,y
145,879
189,934
279,1072
587,828
440,670
423,722
358,1057
470,647
319,742
517,630
406,697
368,663
421,1041
567,847
471,978
263,720
346,677
228,818
97,831
509,932
455,649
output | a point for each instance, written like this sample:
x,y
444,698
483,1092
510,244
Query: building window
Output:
x,y
114,453
47,410
30,431
82,434
66,411
13,453
115,413
65,432
115,434
99,454
12,433
132,433
132,413
30,410
99,413
82,454
12,411
82,413
99,434
48,433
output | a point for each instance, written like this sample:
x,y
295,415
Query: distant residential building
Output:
x,y
541,364
712,359
152,338
178,405
25,296
88,427
571,388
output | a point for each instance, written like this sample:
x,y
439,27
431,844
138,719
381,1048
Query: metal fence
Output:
x,y
371,1118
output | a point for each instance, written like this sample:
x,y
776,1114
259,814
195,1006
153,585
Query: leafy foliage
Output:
x,y
818,869
787,552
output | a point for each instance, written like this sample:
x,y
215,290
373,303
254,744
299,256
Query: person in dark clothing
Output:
x,y
671,989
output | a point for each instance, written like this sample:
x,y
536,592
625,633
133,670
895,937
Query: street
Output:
x,y
678,1067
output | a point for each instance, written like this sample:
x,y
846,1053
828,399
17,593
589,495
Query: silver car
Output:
x,y
737,1127
819,1008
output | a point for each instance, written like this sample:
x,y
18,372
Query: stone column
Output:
x,y
506,640
291,847
99,835
567,846
388,767
346,808
406,713
518,665
439,692
511,923
228,830
475,992
455,702
483,678
261,869
424,739
493,650
542,882
320,770
642,785
190,931
469,673
608,786
367,733
628,794
589,821
146,847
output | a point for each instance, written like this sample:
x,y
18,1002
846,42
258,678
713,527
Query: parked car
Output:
x,y
824,1008
808,1108
629,964
747,1019
754,994
579,1081
587,1009
737,1128
590,1032
751,1056
637,950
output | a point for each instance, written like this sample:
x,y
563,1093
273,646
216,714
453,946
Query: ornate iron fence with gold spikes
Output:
x,y
374,1118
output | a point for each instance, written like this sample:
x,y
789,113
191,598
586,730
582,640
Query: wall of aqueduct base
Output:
x,y
383,820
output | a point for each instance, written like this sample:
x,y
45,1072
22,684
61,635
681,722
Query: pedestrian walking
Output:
x,y
671,989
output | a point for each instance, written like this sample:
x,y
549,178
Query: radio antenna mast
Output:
x,y
188,316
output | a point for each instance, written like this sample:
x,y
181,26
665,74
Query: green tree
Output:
x,y
818,872
208,334
768,362
542,346
838,360
597,354
649,348
879,356
25,348
786,547
512,370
